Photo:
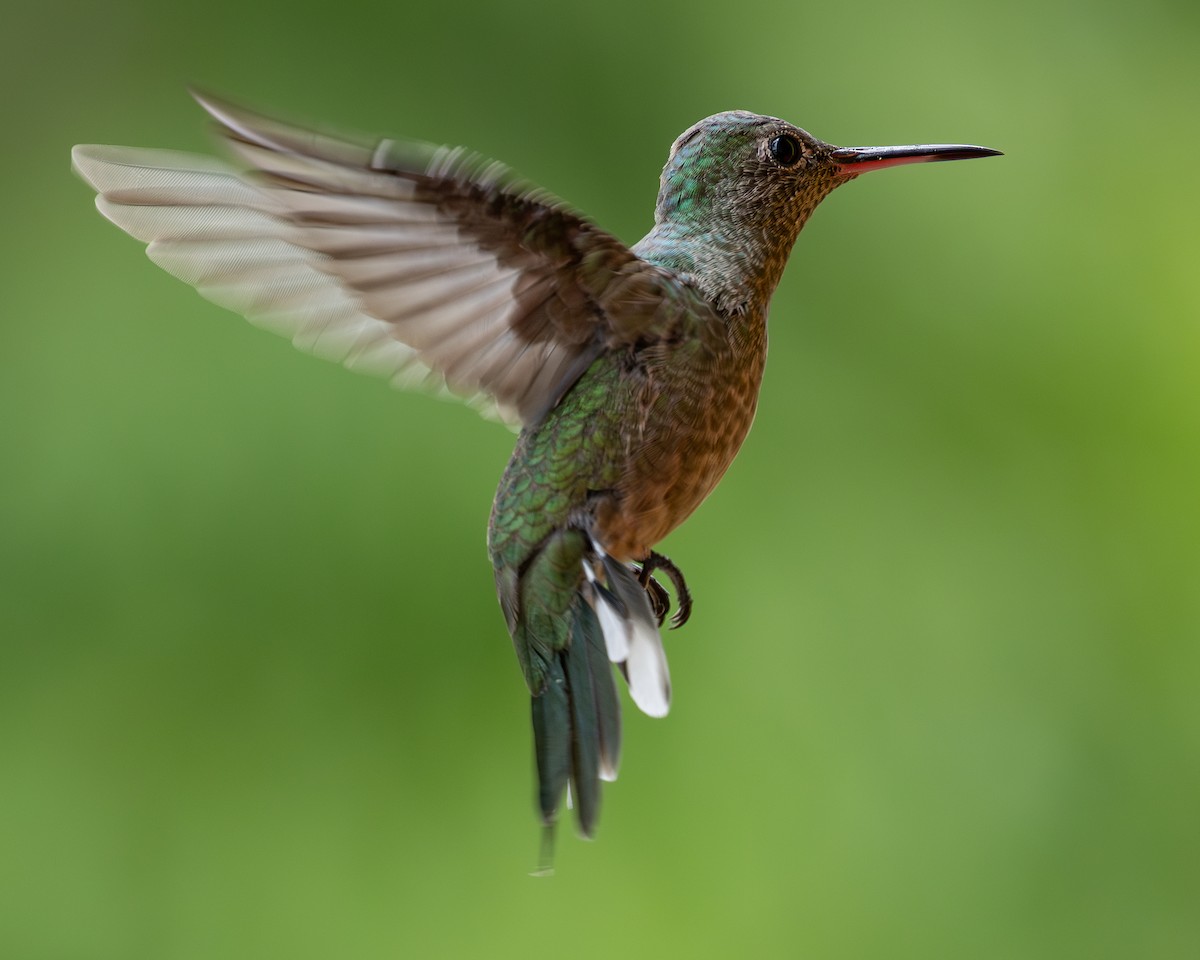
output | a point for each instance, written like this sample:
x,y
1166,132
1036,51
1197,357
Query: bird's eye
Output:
x,y
785,150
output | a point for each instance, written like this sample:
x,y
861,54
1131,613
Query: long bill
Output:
x,y
864,159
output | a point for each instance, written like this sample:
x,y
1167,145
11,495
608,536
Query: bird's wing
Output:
x,y
427,265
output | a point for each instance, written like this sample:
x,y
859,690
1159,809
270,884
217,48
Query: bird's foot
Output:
x,y
660,601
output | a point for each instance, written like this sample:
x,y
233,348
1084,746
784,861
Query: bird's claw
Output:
x,y
660,601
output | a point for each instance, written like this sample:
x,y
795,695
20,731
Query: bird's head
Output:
x,y
739,170
745,184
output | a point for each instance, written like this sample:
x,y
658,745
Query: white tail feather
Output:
x,y
635,643
646,669
616,631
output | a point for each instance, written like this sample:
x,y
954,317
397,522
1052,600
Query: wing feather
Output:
x,y
426,265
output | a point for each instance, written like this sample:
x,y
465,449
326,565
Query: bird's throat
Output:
x,y
736,270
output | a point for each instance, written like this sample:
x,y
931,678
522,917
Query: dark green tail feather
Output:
x,y
608,704
576,724
552,738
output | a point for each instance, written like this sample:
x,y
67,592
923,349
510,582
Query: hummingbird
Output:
x,y
631,372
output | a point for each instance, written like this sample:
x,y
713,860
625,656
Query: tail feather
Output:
x,y
645,662
585,729
577,722
608,706
568,631
552,739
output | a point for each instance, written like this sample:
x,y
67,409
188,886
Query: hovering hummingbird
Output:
x,y
632,372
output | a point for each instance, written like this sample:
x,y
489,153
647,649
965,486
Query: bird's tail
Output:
x,y
576,726
576,714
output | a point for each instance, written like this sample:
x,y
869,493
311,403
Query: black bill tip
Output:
x,y
862,159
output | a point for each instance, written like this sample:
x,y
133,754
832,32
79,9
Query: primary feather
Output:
x,y
426,265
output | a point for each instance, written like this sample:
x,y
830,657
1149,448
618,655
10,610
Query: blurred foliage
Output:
x,y
939,698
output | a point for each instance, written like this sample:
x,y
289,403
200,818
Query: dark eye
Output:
x,y
785,150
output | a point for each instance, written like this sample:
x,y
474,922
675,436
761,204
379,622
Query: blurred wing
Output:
x,y
424,264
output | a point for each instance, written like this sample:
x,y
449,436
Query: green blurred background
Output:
x,y
940,694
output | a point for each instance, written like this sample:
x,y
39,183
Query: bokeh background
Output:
x,y
940,694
